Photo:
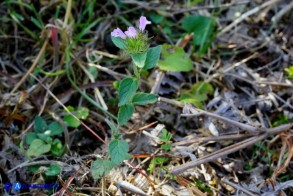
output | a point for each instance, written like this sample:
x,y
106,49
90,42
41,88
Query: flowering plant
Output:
x,y
135,42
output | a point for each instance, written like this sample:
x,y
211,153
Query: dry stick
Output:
x,y
130,187
142,128
97,92
281,13
227,5
218,74
159,79
107,70
27,163
217,154
186,142
255,82
197,112
241,125
230,149
247,14
68,12
238,187
182,10
31,69
106,54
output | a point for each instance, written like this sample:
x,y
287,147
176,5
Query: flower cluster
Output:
x,y
135,39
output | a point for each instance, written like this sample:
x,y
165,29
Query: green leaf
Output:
x,y
166,147
165,136
195,102
204,29
116,85
85,30
82,113
37,148
57,148
156,18
53,170
34,168
156,161
139,59
93,70
144,98
30,137
124,114
202,88
197,94
198,97
40,124
289,70
100,168
70,108
37,23
174,59
152,58
281,120
127,89
119,42
45,136
71,121
118,151
55,128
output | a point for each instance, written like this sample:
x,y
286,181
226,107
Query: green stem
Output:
x,y
136,72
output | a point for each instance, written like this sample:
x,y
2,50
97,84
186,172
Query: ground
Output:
x,y
196,99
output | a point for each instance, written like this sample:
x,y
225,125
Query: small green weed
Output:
x,y
41,140
80,113
133,42
289,71
166,138
204,31
197,94
157,161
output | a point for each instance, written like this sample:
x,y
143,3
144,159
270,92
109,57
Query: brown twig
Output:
x,y
238,187
263,133
230,149
217,154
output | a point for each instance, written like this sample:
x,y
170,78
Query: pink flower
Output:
x,y
131,32
118,33
143,22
